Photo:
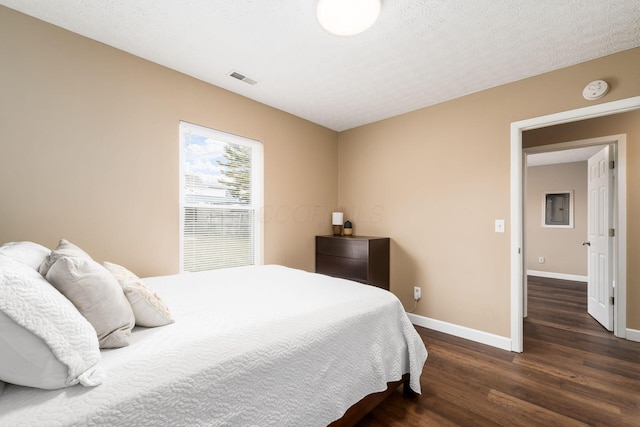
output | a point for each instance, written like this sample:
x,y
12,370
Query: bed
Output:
x,y
250,346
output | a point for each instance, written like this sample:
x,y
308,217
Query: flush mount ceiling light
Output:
x,y
347,17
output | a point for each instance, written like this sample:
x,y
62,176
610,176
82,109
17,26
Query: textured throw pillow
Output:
x,y
148,309
44,341
29,253
95,292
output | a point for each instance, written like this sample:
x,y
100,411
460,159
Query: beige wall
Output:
x,y
628,124
561,247
89,151
436,179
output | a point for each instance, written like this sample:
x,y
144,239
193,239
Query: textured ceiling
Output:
x,y
419,53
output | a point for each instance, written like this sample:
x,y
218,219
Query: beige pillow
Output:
x,y
95,292
64,248
148,308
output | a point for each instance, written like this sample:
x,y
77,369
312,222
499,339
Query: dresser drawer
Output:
x,y
362,259
358,249
348,268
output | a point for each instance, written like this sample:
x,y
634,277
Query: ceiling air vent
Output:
x,y
242,77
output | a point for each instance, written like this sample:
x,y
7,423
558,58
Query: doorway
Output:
x,y
569,233
517,234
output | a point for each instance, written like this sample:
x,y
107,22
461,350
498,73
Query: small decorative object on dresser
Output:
x,y
348,228
360,258
336,221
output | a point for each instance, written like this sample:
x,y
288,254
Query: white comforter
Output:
x,y
251,346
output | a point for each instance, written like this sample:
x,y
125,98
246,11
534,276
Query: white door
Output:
x,y
600,243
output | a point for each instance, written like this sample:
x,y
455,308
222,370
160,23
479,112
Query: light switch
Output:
x,y
499,225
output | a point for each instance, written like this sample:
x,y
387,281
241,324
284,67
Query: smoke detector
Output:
x,y
595,90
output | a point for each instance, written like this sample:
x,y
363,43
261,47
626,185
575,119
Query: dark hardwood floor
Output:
x,y
572,373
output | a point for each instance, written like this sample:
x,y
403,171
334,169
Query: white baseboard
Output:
x,y
461,331
633,335
562,276
481,337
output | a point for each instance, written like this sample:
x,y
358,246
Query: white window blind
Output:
x,y
221,194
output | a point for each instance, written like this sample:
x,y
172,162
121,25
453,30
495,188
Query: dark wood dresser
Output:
x,y
361,258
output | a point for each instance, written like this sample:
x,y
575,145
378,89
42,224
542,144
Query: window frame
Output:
x,y
257,184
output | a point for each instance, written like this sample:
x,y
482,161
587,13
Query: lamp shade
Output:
x,y
337,218
347,17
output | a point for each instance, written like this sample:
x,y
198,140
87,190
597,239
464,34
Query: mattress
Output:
x,y
250,346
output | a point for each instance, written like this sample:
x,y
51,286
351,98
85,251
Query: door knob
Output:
x,y
586,243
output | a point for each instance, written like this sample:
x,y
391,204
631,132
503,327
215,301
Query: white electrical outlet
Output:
x,y
417,293
541,260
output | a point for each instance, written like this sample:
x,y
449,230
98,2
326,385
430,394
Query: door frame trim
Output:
x,y
517,208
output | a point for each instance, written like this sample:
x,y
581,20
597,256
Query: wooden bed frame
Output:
x,y
366,405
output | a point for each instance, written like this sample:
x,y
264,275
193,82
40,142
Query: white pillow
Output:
x,y
29,253
148,308
44,341
98,297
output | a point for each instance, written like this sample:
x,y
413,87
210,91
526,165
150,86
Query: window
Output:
x,y
557,209
221,196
